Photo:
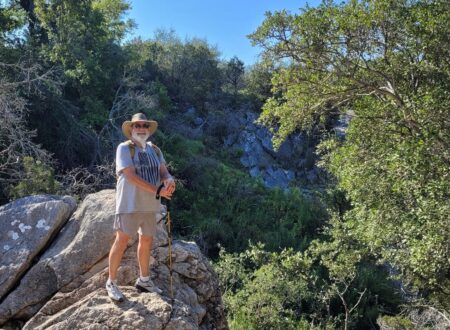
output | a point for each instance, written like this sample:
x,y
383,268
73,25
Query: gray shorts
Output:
x,y
130,223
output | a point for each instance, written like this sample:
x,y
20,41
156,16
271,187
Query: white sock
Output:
x,y
145,278
111,281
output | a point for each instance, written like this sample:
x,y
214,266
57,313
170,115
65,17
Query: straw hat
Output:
x,y
138,118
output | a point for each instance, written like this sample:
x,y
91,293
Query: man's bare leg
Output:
x,y
144,283
143,254
116,253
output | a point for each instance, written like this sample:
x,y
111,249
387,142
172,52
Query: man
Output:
x,y
141,168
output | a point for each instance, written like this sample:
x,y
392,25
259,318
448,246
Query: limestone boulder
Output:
x,y
82,242
65,288
84,303
27,226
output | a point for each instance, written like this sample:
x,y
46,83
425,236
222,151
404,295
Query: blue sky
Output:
x,y
224,24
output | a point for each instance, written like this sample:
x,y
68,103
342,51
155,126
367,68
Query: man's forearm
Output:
x,y
137,181
165,175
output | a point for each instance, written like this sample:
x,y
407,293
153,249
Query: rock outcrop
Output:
x,y
292,164
26,226
295,159
64,289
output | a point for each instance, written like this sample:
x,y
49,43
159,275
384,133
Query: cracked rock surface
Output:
x,y
65,287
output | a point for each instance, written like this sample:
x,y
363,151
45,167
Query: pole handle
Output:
x,y
158,192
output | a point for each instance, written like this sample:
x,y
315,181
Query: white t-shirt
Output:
x,y
129,197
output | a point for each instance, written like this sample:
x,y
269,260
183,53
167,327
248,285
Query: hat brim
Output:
x,y
126,126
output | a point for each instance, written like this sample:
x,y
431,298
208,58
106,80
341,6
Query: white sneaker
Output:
x,y
114,292
147,286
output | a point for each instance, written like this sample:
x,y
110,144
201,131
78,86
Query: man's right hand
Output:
x,y
165,193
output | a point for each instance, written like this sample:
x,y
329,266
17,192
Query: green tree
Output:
x,y
20,76
83,38
12,18
383,63
188,69
234,75
258,83
79,42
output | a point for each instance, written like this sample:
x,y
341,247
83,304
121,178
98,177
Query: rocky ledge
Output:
x,y
54,265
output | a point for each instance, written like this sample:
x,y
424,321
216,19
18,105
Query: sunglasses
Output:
x,y
141,126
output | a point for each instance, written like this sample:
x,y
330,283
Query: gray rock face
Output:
x,y
26,226
276,177
278,168
65,288
254,154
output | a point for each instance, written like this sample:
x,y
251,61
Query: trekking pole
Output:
x,y
169,232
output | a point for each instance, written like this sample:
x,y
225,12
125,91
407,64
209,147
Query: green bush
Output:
x,y
220,204
38,178
267,290
396,323
294,290
164,102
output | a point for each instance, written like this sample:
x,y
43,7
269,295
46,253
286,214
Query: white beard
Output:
x,y
142,139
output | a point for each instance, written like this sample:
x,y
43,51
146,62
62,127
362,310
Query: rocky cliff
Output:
x,y
53,268
294,163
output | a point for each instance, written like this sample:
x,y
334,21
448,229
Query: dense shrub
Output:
x,y
38,178
293,290
223,205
